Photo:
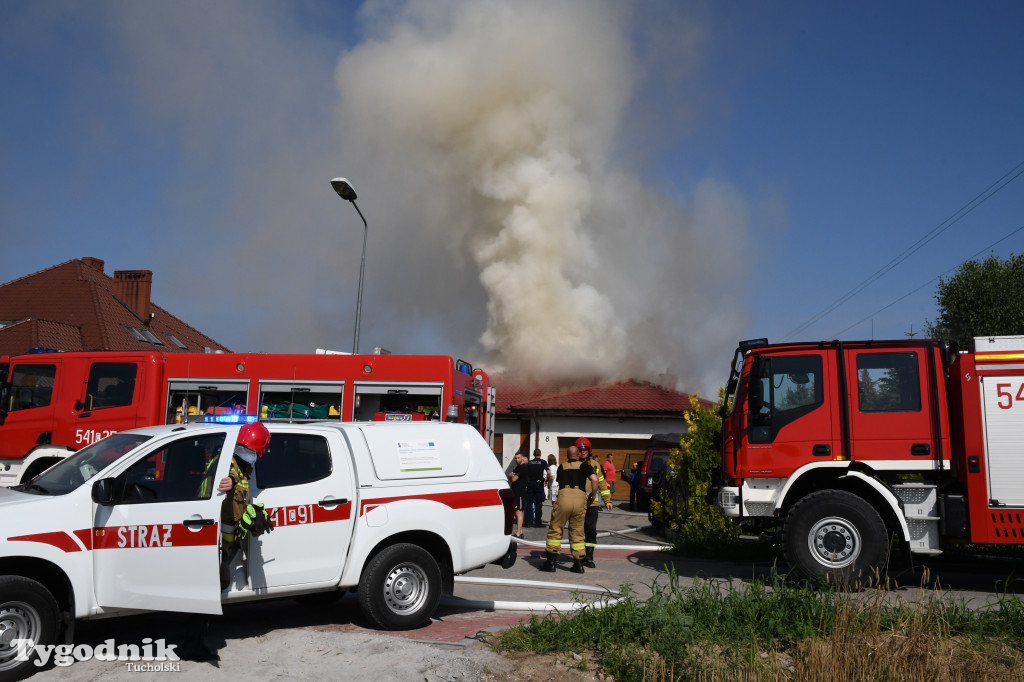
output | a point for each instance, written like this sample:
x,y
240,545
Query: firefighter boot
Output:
x,y
549,565
588,561
577,566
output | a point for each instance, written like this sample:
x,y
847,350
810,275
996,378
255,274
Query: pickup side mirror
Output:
x,y
103,491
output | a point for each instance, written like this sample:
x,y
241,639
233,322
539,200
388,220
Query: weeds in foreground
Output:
x,y
777,630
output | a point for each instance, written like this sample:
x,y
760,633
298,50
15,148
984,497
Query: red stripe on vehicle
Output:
x,y
460,500
151,536
85,535
58,539
297,515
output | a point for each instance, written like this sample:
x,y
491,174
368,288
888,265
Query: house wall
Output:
x,y
626,438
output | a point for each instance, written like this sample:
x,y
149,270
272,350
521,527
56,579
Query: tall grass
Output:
x,y
777,630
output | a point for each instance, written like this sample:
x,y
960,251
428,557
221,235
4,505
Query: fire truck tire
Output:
x,y
27,611
834,536
400,588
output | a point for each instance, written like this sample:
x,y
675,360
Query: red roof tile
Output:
x,y
33,333
630,396
77,294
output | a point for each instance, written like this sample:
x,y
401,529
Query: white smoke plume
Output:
x,y
497,125
502,151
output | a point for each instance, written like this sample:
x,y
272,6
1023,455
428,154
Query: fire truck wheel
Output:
x,y
400,587
27,612
834,536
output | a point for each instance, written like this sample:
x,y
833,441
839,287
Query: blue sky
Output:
x,y
572,189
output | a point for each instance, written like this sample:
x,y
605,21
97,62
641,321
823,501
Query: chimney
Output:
x,y
95,263
133,287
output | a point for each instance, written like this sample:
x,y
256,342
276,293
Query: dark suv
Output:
x,y
655,462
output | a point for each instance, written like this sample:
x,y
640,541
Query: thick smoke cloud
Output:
x,y
501,153
498,124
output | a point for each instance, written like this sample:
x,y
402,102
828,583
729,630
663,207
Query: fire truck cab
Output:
x,y
840,448
52,404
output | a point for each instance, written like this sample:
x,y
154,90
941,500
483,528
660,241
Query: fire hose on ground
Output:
x,y
614,595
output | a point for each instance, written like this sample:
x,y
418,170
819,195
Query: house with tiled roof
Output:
x,y
75,306
619,419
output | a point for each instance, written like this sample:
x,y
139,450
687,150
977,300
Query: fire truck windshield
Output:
x,y
74,471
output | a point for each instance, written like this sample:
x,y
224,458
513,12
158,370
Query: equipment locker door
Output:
x,y
305,481
156,546
1003,410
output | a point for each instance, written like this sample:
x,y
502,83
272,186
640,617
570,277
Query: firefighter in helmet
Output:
x,y
238,518
571,506
597,494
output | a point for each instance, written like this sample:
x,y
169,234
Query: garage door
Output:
x,y
624,452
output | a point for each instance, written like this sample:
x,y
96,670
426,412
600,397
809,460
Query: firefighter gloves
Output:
x,y
255,520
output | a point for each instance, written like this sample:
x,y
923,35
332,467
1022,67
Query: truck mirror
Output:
x,y
103,491
79,405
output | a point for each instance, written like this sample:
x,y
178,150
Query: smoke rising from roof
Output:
x,y
497,124
495,147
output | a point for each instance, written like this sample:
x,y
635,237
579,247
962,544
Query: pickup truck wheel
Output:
x,y
400,587
27,611
834,536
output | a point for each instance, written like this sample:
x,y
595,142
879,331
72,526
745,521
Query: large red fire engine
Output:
x,y
52,404
839,448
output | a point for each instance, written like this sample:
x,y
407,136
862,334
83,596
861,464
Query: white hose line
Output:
x,y
565,545
533,606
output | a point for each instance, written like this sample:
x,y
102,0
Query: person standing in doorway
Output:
x,y
537,474
634,488
552,478
609,472
518,479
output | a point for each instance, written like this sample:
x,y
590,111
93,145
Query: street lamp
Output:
x,y
345,190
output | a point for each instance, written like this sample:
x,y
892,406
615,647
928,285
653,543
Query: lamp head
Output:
x,y
344,189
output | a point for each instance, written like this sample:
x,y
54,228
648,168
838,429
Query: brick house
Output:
x,y
75,306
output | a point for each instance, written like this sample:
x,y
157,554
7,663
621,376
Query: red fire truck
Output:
x,y
844,450
52,404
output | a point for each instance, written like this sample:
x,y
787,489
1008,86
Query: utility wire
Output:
x,y
959,214
911,293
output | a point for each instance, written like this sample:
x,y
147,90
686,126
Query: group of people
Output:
x,y
582,486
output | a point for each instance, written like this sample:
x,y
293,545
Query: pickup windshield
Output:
x,y
72,472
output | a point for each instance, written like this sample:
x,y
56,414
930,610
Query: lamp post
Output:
x,y
345,190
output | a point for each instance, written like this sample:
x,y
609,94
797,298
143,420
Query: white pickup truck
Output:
x,y
394,511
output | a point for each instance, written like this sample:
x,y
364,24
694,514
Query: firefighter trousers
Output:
x,y
571,507
590,528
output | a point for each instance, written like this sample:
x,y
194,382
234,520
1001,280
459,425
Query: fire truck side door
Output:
x,y
156,546
110,400
890,406
28,409
305,480
788,413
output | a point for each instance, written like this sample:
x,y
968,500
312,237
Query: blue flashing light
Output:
x,y
228,418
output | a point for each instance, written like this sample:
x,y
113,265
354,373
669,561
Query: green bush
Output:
x,y
681,503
